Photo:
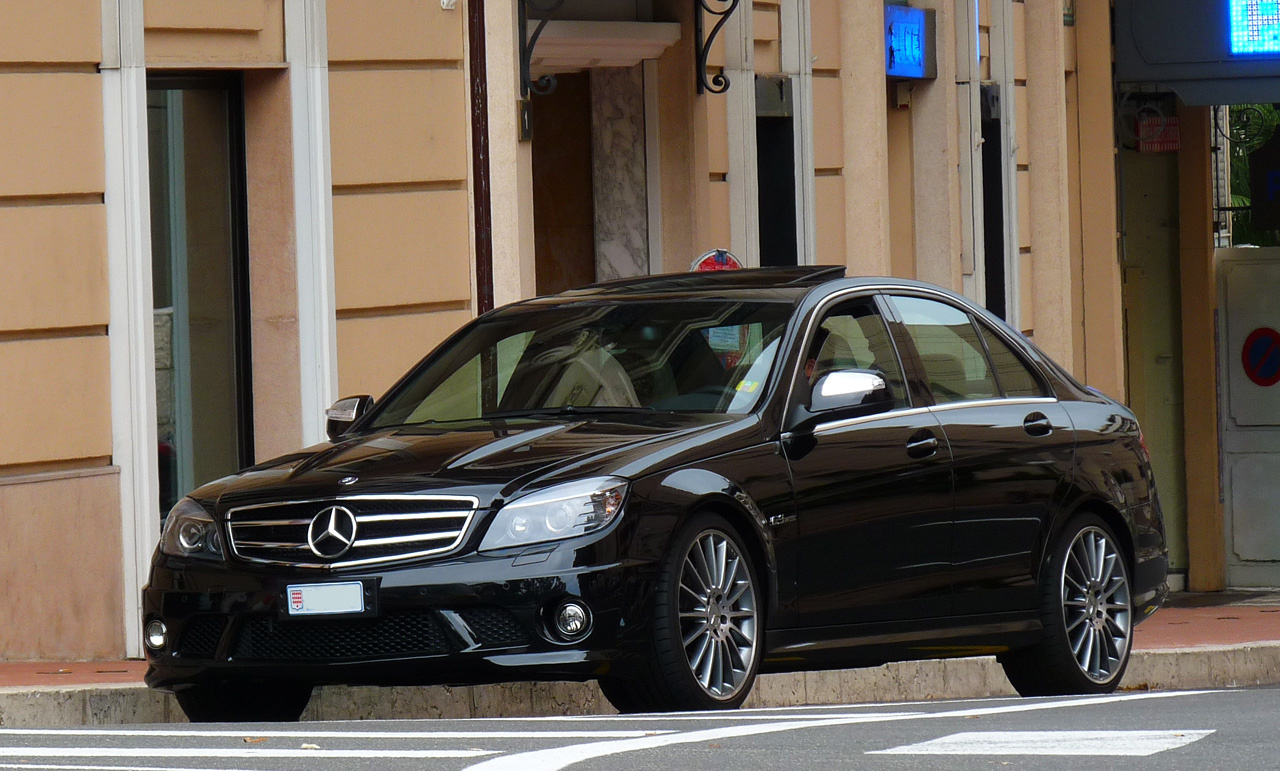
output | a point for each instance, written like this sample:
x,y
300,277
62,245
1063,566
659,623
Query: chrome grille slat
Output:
x,y
392,527
393,540
408,517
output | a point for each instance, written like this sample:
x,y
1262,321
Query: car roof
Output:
x,y
792,285
751,278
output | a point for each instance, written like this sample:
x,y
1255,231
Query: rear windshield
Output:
x,y
701,356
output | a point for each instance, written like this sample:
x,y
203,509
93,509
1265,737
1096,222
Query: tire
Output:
x,y
1086,609
244,703
718,610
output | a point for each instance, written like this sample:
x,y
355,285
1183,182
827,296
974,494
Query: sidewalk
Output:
x,y
1197,641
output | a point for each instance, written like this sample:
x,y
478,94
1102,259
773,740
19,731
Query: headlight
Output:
x,y
559,512
189,532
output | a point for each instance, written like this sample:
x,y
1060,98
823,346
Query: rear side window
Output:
x,y
951,352
1014,376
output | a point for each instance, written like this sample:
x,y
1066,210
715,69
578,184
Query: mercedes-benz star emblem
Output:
x,y
348,480
332,532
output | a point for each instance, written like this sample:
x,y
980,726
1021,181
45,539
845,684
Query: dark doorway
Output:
x,y
563,189
776,171
993,201
776,167
200,271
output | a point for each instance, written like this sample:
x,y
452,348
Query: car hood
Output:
x,y
490,460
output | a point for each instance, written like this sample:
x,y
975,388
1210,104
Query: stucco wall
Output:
x,y
401,165
55,441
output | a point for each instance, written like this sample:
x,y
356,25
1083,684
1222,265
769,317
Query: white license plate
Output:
x,y
318,599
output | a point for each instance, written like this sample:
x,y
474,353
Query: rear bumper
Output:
x,y
472,620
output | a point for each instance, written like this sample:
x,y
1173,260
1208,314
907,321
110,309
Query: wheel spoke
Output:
x,y
1073,560
692,569
731,573
1109,569
709,559
695,634
722,567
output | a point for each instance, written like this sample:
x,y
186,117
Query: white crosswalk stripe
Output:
x,y
1062,743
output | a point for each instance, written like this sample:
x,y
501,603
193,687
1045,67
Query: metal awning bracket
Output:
x,y
717,83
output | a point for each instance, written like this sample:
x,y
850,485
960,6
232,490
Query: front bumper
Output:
x,y
465,620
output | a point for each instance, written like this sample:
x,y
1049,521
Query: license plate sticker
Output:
x,y
320,599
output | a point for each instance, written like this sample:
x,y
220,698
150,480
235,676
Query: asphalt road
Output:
x,y
1188,730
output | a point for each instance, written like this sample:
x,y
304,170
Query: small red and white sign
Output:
x,y
295,599
716,259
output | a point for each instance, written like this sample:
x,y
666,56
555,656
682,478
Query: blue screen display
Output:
x,y
1255,27
904,41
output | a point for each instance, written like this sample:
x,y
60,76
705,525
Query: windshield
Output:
x,y
702,356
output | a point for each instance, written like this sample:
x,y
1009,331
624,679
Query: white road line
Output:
x,y
561,757
249,732
202,752
1105,743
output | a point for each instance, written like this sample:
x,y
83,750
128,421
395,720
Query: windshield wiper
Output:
x,y
570,409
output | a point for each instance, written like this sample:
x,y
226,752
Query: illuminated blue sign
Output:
x,y
909,35
1255,27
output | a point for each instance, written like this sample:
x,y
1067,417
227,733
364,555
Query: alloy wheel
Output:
x,y
1096,608
717,614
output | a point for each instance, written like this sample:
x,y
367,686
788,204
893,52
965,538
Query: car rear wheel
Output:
x,y
244,702
1087,613
707,626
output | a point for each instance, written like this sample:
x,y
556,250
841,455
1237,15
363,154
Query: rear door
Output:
x,y
1012,446
872,494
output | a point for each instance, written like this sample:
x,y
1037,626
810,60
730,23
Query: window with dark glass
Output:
x,y
853,335
199,249
951,352
1015,378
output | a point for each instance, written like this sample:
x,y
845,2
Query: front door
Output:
x,y
872,494
1249,353
1011,443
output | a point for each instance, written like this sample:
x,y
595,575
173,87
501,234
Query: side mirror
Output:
x,y
851,390
850,393
345,412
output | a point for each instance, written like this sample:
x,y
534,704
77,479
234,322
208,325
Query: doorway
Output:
x,y
199,237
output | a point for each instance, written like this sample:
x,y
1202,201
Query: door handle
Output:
x,y
1037,424
922,445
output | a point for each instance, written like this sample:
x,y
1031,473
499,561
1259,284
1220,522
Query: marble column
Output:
x,y
618,169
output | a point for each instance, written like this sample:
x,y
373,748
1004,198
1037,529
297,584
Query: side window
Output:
x,y
951,353
1014,376
853,335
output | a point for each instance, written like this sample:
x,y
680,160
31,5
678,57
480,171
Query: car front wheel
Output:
x,y
707,626
244,702
1087,614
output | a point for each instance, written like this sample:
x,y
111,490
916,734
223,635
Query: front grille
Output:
x,y
388,528
495,627
407,635
200,637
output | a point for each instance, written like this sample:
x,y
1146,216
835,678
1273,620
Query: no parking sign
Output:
x,y
1261,356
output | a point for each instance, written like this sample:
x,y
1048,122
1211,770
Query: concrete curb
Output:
x,y
1180,669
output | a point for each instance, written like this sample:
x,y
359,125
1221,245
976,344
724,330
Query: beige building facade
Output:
x,y
218,217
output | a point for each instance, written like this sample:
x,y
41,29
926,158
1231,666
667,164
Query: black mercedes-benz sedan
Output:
x,y
671,485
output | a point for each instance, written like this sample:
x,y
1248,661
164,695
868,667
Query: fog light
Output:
x,y
157,635
573,620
